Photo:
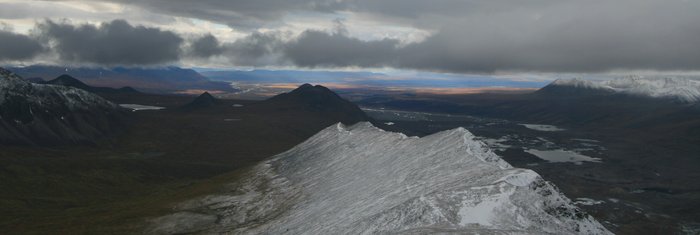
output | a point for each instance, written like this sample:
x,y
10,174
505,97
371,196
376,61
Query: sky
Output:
x,y
440,36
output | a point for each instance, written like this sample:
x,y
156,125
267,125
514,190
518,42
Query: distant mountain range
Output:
x,y
628,102
285,76
680,89
46,114
365,79
168,79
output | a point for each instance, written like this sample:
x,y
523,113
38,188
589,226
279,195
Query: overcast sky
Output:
x,y
455,36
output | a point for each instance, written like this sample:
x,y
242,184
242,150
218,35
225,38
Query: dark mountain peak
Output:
x,y
318,99
305,86
202,101
206,98
128,89
206,95
67,80
70,81
315,95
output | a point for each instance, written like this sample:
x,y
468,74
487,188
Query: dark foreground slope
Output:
x,y
52,114
163,157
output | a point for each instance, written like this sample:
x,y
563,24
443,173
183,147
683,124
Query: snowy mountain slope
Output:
x,y
363,180
51,114
682,89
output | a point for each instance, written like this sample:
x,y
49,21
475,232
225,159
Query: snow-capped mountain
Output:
x,y
51,114
682,89
364,180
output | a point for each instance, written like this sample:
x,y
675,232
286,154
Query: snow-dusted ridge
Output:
x,y
364,180
37,95
52,114
680,88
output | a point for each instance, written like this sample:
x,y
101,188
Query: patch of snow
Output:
x,y
389,123
560,155
140,107
483,211
497,144
586,140
364,180
587,201
540,127
237,105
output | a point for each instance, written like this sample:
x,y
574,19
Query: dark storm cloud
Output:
x,y
316,48
206,46
18,47
112,43
256,49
